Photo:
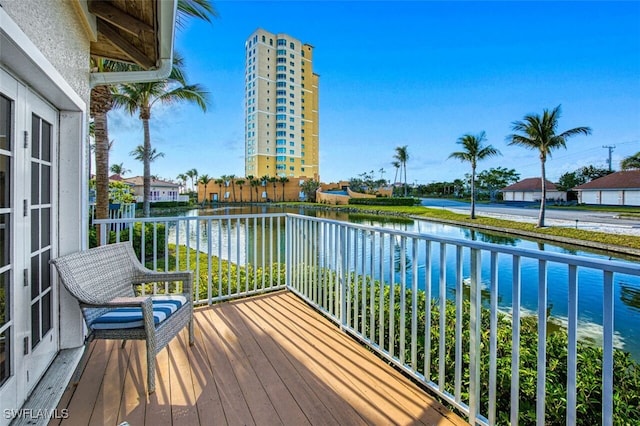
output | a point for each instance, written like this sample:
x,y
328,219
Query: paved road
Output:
x,y
609,218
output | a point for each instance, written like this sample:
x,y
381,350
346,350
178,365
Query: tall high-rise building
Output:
x,y
281,104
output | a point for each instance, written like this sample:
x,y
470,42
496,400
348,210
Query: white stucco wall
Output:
x,y
56,29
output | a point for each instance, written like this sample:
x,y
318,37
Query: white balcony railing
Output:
x,y
164,198
356,275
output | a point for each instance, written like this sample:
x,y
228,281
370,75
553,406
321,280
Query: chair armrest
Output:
x,y
121,302
186,277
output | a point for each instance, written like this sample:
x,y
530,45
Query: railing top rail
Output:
x,y
582,261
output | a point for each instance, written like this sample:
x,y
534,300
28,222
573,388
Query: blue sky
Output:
x,y
415,73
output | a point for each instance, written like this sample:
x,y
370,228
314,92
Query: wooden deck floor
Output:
x,y
264,360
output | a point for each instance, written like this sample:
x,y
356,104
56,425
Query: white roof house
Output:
x,y
530,190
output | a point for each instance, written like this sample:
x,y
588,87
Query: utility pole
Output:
x,y
610,148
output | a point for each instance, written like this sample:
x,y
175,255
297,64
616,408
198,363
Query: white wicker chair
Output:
x,y
103,280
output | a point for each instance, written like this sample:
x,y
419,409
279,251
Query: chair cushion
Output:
x,y
130,317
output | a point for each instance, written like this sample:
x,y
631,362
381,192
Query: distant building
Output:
x,y
281,107
530,190
161,190
616,189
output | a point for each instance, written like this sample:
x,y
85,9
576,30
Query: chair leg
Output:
x,y
191,334
124,342
151,370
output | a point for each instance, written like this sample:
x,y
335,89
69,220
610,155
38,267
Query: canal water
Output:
x,y
626,288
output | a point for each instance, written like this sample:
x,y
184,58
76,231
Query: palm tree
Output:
x,y
273,181
396,165
473,151
382,172
182,177
240,183
140,155
119,169
250,179
255,183
402,156
539,133
141,97
101,103
193,174
283,180
232,180
220,182
631,162
263,182
204,179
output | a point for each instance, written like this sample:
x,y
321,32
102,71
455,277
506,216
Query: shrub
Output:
x,y
385,201
137,239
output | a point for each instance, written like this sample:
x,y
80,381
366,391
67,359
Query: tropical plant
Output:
x,y
240,183
274,180
139,154
119,169
220,182
193,175
283,180
141,97
631,162
254,183
183,180
402,156
472,152
396,165
538,133
205,179
264,180
496,178
231,180
309,188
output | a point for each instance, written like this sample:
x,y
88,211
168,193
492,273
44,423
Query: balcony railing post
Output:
x,y
343,273
475,319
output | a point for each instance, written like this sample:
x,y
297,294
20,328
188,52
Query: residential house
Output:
x,y
530,191
616,189
45,85
161,190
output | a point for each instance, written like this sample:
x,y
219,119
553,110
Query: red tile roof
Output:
x,y
629,179
530,185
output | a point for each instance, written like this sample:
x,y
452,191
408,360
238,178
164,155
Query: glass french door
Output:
x,y
28,300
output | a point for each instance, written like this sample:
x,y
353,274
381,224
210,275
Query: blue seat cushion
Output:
x,y
131,317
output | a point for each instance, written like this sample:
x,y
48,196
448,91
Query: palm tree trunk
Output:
x,y
473,193
101,103
543,201
147,169
405,178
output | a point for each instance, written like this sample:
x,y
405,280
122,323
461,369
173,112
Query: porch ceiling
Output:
x,y
127,31
267,359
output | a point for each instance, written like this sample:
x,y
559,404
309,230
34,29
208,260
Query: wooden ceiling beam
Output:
x,y
119,18
136,55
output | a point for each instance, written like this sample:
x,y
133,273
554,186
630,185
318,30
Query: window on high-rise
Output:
x,y
270,42
282,42
281,76
264,39
281,150
281,68
292,45
292,143
282,52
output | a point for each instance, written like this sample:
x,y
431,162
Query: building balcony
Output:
x,y
294,326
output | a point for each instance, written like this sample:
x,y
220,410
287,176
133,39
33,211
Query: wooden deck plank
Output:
x,y
85,395
158,410
265,360
183,399
234,405
208,401
132,404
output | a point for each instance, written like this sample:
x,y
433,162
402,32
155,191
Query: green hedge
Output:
x,y
137,235
384,201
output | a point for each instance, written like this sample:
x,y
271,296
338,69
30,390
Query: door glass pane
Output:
x,y
35,324
35,277
35,183
46,184
46,312
35,136
5,249
5,123
5,352
45,234
45,276
5,181
46,142
5,312
35,229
